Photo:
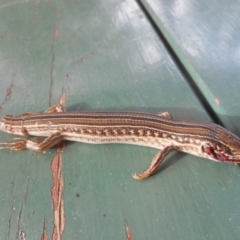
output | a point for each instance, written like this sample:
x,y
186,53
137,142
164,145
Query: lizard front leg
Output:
x,y
40,146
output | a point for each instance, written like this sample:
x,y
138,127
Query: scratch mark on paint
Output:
x,y
128,232
57,195
11,211
26,193
83,59
7,96
56,34
21,234
20,218
10,220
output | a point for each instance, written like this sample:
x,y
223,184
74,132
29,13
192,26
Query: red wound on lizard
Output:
x,y
211,151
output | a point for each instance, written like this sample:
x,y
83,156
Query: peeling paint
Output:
x,y
44,234
22,235
57,195
128,232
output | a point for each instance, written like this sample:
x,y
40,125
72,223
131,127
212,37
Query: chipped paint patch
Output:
x,y
22,235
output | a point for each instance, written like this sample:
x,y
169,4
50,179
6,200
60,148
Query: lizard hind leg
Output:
x,y
59,107
18,145
165,115
156,162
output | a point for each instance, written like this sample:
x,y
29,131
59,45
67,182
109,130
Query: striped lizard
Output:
x,y
206,140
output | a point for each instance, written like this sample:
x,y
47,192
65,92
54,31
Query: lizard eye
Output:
x,y
228,150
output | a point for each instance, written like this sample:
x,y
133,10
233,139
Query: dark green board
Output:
x,y
108,55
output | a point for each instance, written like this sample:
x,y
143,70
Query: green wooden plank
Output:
x,y
106,56
26,31
205,37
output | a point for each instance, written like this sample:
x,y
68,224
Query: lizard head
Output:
x,y
225,147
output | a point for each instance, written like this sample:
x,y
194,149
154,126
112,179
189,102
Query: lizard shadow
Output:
x,y
169,161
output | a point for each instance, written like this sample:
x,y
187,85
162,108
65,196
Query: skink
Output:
x,y
206,140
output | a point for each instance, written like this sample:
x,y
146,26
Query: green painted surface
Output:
x,y
106,56
205,37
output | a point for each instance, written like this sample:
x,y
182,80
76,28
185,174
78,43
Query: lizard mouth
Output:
x,y
220,156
